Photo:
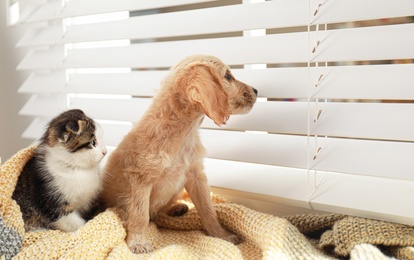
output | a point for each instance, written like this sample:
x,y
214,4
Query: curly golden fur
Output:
x,y
163,154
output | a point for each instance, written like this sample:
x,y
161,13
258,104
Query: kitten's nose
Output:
x,y
255,91
104,153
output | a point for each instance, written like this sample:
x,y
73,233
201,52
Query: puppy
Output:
x,y
162,154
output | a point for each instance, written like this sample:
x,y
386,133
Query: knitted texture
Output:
x,y
352,231
11,222
346,234
10,241
368,252
314,223
264,236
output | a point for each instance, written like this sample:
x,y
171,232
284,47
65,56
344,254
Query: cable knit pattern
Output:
x,y
264,236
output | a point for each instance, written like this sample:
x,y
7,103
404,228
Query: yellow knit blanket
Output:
x,y
264,236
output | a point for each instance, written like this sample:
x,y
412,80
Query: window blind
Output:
x,y
333,129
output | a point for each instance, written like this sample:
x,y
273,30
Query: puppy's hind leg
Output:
x,y
199,192
137,219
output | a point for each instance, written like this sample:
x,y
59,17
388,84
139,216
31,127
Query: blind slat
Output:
x,y
370,82
53,9
369,43
44,105
138,83
338,82
282,150
385,82
270,14
36,128
362,157
283,183
44,82
52,58
340,193
279,117
355,10
365,120
49,34
366,197
330,12
337,119
112,109
288,48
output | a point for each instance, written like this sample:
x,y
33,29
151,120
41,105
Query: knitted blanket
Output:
x,y
264,236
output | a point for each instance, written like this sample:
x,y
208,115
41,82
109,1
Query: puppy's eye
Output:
x,y
228,76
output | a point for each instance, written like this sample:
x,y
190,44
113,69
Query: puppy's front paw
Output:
x,y
138,248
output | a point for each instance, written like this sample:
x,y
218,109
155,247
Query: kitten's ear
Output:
x,y
74,127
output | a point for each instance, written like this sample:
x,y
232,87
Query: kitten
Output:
x,y
60,184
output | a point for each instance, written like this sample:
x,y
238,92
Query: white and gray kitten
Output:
x,y
58,187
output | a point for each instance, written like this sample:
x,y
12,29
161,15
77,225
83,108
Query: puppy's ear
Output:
x,y
204,88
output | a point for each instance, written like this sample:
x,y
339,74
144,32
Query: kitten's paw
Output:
x,y
177,210
69,223
139,248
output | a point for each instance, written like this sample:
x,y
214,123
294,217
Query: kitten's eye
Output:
x,y
93,143
228,76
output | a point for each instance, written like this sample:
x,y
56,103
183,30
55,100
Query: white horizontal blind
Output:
x,y
333,128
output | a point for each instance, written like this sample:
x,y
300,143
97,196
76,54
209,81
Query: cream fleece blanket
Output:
x,y
264,236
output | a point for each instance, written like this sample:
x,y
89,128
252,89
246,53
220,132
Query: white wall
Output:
x,y
11,124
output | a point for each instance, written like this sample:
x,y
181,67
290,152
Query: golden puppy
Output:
x,y
163,154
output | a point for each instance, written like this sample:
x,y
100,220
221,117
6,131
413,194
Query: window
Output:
x,y
333,129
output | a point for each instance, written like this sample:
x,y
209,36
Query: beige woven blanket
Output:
x,y
264,236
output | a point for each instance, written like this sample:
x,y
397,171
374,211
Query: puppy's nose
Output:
x,y
255,91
